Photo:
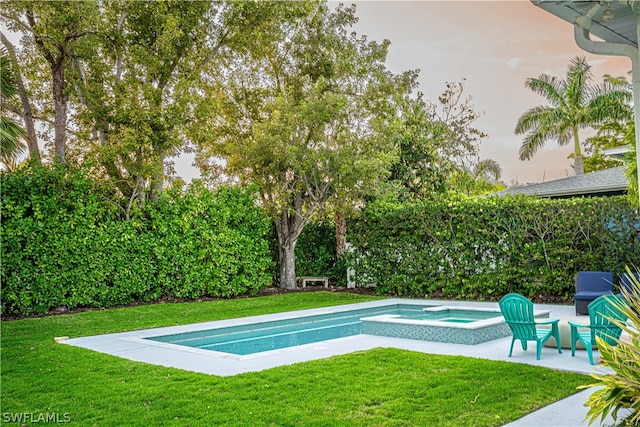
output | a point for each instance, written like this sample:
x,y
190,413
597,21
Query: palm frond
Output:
x,y
609,103
549,87
578,78
533,142
489,169
534,118
11,134
7,80
542,124
11,145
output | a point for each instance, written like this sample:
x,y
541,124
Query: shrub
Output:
x,y
487,247
209,243
53,232
65,244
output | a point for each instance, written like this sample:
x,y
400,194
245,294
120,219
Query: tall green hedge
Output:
x,y
485,248
64,243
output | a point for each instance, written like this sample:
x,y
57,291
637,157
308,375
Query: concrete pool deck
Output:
x,y
132,345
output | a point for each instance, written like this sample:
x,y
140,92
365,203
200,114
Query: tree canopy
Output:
x,y
310,118
282,95
118,81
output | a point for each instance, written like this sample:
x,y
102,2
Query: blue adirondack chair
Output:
x,y
518,313
602,313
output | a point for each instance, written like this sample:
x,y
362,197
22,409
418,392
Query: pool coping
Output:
x,y
134,346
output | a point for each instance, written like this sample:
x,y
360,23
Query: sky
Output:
x,y
495,46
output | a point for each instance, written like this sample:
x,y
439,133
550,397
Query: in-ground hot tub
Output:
x,y
459,325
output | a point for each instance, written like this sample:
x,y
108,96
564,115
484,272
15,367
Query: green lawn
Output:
x,y
381,387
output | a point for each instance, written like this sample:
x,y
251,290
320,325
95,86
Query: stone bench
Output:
x,y
324,280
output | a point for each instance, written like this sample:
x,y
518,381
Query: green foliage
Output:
x,y
438,150
11,146
484,248
631,165
610,135
316,253
128,76
309,119
420,171
621,389
208,243
54,230
64,244
574,104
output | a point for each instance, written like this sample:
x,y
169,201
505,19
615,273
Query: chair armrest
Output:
x,y
548,322
578,325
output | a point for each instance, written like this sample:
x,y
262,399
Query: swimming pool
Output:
x,y
273,335
136,345
461,325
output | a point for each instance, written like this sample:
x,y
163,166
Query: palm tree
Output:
x,y
11,134
574,104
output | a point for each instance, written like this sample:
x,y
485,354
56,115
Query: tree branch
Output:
x,y
70,37
38,39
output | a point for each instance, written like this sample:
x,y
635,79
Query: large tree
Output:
x,y
421,171
574,104
133,88
127,76
51,31
439,148
308,119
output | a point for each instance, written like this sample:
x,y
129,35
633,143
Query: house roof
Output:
x,y
620,27
606,182
617,152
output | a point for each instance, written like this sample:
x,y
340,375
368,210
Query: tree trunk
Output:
x,y
341,233
578,165
289,226
60,103
287,265
577,152
157,181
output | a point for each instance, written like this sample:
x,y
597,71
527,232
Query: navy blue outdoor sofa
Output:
x,y
589,286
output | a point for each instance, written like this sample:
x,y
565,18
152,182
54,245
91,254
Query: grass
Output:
x,y
381,387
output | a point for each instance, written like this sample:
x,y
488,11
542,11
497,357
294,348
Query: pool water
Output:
x,y
455,315
273,335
